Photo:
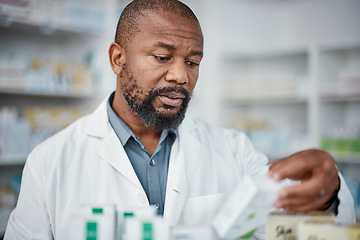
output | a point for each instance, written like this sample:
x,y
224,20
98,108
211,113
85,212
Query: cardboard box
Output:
x,y
92,222
312,230
153,228
138,212
246,208
191,233
283,226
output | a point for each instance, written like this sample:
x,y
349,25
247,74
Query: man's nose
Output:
x,y
177,72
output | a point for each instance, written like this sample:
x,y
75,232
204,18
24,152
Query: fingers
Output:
x,y
299,165
308,195
297,205
318,178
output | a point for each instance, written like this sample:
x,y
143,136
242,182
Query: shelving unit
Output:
x,y
318,109
53,66
298,76
261,86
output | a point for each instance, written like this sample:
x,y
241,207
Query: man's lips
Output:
x,y
172,98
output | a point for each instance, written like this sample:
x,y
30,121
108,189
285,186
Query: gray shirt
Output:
x,y
151,170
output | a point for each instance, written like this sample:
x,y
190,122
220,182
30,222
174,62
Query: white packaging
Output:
x,y
191,233
246,208
138,212
92,222
283,226
314,230
154,228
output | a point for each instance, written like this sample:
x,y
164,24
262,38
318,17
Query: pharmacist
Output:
x,y
138,148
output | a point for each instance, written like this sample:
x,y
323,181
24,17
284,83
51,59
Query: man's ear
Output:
x,y
116,57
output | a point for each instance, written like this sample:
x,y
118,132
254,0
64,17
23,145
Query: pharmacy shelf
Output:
x,y
266,52
43,28
49,94
343,158
235,102
340,99
12,161
347,159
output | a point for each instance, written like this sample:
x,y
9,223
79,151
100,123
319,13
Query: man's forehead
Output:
x,y
165,19
164,23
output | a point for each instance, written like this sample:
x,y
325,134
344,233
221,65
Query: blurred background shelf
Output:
x,y
13,161
53,70
48,94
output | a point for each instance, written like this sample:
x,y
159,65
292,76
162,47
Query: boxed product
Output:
x,y
191,233
93,222
246,208
283,226
141,228
315,230
138,212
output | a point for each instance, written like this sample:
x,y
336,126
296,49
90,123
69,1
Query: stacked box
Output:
x,y
284,226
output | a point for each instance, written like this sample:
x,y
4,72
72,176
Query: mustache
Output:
x,y
176,89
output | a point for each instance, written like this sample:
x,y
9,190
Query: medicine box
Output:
x,y
92,222
154,228
326,231
283,225
246,208
191,233
138,212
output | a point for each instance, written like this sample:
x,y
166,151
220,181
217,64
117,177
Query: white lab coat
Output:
x,y
86,164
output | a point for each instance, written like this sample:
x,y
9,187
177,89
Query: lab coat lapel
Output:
x,y
113,152
182,163
111,149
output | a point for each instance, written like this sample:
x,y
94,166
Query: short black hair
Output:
x,y
128,21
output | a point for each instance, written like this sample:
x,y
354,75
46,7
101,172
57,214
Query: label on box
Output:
x,y
310,230
283,226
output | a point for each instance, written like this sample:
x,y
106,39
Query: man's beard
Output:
x,y
151,117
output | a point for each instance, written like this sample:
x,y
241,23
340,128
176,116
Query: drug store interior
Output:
x,y
286,72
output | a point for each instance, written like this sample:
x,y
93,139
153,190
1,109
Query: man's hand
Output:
x,y
318,176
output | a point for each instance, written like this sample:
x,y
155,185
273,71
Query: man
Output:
x,y
138,149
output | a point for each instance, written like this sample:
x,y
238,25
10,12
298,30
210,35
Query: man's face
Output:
x,y
161,68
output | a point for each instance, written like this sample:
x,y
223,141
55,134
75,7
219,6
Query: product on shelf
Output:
x,y
271,136
347,84
284,226
342,140
319,230
267,87
19,135
16,9
43,75
55,15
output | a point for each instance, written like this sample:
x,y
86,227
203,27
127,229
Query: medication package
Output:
x,y
316,230
246,208
284,226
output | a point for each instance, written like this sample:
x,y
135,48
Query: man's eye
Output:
x,y
192,64
161,58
